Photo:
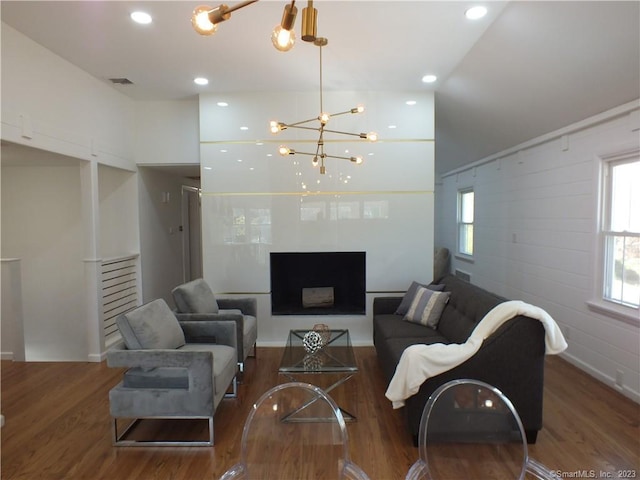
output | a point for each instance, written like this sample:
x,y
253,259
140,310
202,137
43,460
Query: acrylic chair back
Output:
x,y
295,430
470,430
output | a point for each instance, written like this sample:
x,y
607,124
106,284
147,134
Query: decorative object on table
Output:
x,y
324,331
312,361
312,341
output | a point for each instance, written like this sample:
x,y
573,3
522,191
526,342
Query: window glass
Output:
x,y
465,222
622,234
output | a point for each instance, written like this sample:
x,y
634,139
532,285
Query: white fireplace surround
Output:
x,y
255,201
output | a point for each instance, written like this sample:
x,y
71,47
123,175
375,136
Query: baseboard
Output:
x,y
6,355
601,377
97,358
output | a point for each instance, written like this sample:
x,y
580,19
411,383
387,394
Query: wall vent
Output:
x,y
463,275
121,81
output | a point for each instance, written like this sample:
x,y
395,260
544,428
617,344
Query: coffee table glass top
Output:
x,y
336,355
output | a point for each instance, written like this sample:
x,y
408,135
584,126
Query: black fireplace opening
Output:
x,y
318,283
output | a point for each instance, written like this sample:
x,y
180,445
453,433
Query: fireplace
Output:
x,y
318,283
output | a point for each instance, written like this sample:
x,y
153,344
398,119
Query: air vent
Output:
x,y
463,275
121,81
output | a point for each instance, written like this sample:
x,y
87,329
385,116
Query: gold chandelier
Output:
x,y
205,21
319,155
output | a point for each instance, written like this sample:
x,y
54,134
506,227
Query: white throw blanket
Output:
x,y
420,362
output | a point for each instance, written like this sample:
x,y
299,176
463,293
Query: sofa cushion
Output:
x,y
391,326
195,297
408,297
151,326
427,307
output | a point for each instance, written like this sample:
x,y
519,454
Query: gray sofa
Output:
x,y
511,359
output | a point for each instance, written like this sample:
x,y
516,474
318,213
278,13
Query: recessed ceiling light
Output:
x,y
392,126
429,78
208,168
222,104
410,102
223,151
142,18
476,13
244,128
240,160
200,81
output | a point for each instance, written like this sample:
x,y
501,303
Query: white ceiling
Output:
x,y
524,70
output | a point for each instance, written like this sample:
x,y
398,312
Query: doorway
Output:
x,y
191,233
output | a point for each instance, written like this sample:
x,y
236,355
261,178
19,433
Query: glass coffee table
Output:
x,y
328,368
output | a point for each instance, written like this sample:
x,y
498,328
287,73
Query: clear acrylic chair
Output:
x,y
470,429
295,431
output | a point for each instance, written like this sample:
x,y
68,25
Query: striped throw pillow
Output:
x,y
426,307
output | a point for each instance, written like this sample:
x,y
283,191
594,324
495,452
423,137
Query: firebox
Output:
x,y
318,283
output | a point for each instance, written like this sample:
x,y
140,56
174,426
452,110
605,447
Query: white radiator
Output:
x,y
119,291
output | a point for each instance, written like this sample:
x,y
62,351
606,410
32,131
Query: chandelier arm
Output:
x,y
240,5
343,133
293,125
342,113
297,152
316,129
335,156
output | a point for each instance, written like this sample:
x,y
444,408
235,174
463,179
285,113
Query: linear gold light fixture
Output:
x,y
319,155
205,20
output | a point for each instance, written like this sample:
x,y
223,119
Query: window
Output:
x,y
465,222
621,232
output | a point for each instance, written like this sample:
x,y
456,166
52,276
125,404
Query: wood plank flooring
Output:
x,y
58,426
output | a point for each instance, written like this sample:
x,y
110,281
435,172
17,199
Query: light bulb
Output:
x,y
324,118
372,136
201,22
283,39
273,126
360,109
357,160
284,150
314,162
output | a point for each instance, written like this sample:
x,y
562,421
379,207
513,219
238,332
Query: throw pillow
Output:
x,y
151,326
427,307
405,303
195,297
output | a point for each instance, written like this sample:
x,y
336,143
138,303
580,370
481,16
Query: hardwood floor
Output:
x,y
58,426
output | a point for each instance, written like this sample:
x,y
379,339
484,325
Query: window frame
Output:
x,y
600,302
460,224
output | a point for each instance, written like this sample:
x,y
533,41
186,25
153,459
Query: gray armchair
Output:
x,y
174,370
195,302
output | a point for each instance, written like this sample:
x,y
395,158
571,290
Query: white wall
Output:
x,y
41,224
536,214
118,197
167,132
255,201
50,105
